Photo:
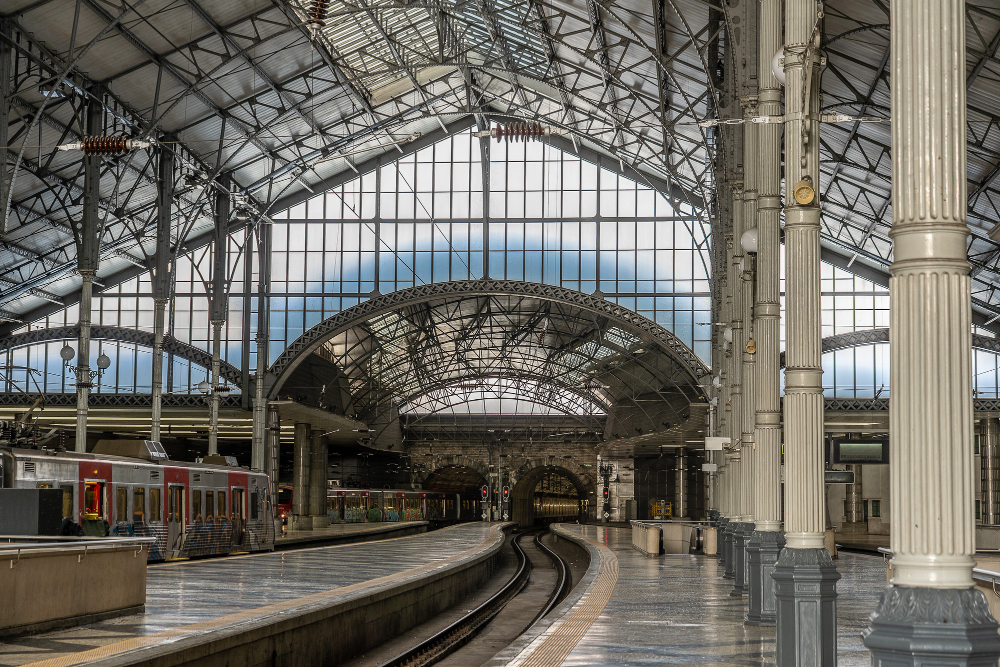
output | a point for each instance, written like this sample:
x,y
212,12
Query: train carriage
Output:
x,y
192,509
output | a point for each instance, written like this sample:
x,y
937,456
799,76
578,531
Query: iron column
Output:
x,y
989,454
219,305
261,341
931,612
161,278
805,576
767,541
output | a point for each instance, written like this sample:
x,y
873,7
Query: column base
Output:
x,y
319,521
763,550
932,626
300,522
805,591
740,536
728,550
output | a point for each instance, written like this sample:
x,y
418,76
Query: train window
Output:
x,y
92,500
175,498
121,504
254,499
222,504
139,505
67,502
196,504
284,496
42,485
209,504
155,507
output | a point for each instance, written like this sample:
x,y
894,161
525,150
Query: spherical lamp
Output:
x,y
778,66
103,362
67,352
204,386
749,241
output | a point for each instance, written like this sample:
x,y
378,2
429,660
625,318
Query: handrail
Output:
x,y
76,544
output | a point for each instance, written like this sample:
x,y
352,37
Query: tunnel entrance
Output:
x,y
550,493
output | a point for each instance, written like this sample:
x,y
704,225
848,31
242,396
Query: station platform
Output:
x,y
192,603
348,533
631,609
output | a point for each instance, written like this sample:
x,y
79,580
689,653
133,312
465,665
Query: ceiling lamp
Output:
x,y
105,145
778,66
521,132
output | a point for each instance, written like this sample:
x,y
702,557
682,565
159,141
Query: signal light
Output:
x,y
485,492
506,492
607,493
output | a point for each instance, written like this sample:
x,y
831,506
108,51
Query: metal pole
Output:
x,y
6,85
806,613
681,483
219,302
931,612
161,280
88,243
273,454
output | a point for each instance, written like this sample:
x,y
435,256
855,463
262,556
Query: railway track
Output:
x,y
462,631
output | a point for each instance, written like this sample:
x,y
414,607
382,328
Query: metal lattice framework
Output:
x,y
358,315
144,338
881,335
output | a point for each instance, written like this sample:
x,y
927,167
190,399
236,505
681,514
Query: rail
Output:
x,y
458,633
562,580
978,574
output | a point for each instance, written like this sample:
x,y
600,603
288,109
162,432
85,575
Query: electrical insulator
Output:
x,y
521,132
106,145
317,12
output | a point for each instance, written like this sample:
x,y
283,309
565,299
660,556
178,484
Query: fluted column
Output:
x,y
161,280
766,542
931,472
734,560
805,576
989,454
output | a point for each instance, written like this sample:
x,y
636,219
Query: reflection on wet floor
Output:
x,y
677,610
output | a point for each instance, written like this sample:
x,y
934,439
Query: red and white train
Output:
x,y
192,509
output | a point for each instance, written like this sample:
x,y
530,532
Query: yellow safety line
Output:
x,y
235,618
557,645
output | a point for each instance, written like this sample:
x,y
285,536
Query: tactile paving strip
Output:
x,y
277,610
560,641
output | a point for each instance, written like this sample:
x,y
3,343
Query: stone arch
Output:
x,y
456,478
136,336
310,341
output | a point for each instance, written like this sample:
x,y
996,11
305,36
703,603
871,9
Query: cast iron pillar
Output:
x,y
301,479
680,507
260,406
219,305
805,578
273,455
931,613
88,233
989,454
6,86
766,541
854,505
736,347
161,279
317,480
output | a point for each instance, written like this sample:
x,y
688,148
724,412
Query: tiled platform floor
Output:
x,y
677,610
186,592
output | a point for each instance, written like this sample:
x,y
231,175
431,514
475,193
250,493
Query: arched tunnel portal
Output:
x,y
461,479
548,492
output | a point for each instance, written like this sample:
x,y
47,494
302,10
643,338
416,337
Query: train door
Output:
x,y
176,515
238,514
95,487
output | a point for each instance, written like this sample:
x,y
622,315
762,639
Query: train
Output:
x,y
376,505
131,488
549,508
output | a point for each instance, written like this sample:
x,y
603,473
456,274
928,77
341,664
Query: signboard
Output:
x,y
709,467
838,476
716,444
871,451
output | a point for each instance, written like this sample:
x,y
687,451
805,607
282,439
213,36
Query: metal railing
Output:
x,y
81,546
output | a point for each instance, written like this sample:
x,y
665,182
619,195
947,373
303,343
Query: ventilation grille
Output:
x,y
29,466
197,476
154,474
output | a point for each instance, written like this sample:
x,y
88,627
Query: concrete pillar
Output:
x,y
680,487
854,505
161,279
930,612
317,480
301,479
989,455
805,576
766,540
